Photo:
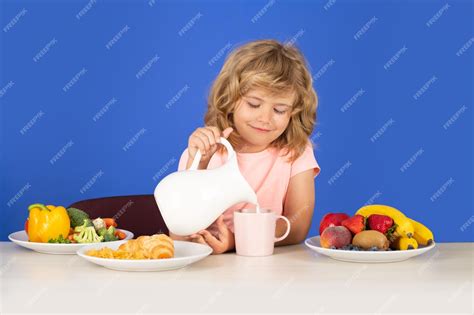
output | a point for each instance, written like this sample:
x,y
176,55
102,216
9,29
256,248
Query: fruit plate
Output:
x,y
366,256
21,238
185,253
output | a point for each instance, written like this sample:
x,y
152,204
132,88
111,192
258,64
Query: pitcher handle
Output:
x,y
197,157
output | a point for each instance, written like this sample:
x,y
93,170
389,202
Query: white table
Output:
x,y
293,280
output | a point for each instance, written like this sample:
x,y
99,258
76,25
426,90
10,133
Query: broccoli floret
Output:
x,y
77,216
86,234
109,235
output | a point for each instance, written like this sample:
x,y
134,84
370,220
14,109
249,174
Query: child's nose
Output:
x,y
265,114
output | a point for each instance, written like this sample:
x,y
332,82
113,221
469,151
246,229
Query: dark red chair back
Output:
x,y
137,213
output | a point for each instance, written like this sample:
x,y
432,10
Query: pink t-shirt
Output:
x,y
267,172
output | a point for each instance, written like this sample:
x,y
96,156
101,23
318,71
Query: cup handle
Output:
x,y
197,157
287,230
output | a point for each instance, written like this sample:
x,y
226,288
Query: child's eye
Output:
x,y
253,105
279,112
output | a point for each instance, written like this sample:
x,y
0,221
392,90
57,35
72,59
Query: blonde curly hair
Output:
x,y
278,69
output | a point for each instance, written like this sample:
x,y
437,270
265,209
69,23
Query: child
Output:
x,y
264,103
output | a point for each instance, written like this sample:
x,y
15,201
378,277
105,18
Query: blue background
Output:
x,y
325,34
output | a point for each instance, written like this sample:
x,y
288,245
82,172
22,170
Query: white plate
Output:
x,y
366,256
21,238
185,253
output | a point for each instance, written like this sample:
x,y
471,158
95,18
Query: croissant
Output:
x,y
157,246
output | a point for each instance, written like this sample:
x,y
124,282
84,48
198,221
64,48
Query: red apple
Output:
x,y
332,219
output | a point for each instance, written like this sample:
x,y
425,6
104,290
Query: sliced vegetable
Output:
x,y
121,235
98,224
110,222
102,231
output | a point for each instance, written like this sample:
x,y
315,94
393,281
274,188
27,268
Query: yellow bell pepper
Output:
x,y
47,222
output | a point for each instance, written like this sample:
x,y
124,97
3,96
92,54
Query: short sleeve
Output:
x,y
183,160
304,162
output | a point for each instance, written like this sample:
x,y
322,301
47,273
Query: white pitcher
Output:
x,y
191,200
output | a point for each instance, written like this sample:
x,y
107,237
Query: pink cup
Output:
x,y
255,232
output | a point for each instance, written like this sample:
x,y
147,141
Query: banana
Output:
x,y
404,243
404,226
422,235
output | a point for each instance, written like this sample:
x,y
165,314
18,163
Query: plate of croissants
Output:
x,y
157,252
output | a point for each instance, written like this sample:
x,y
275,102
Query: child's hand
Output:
x,y
205,140
224,242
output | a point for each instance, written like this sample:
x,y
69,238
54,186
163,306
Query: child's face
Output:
x,y
261,118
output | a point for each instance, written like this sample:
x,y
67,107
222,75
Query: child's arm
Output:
x,y
298,208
